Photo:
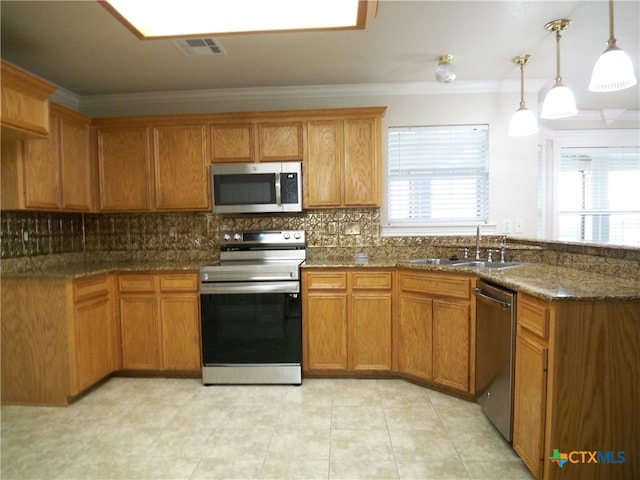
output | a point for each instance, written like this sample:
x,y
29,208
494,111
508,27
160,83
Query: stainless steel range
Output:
x,y
251,309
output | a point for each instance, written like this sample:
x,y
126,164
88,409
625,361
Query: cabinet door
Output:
x,y
93,341
451,321
124,169
140,332
41,171
280,141
232,143
326,331
323,164
75,165
370,335
361,163
181,168
415,336
180,317
530,395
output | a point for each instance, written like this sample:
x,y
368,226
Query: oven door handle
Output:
x,y
249,287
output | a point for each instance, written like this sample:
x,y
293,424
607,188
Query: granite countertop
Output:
x,y
540,280
85,269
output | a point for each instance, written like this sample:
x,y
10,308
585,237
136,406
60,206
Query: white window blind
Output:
x,y
598,198
438,175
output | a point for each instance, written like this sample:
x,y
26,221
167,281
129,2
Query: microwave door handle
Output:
x,y
278,190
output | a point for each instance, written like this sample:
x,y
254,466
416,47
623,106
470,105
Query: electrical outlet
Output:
x,y
518,228
173,232
507,225
25,236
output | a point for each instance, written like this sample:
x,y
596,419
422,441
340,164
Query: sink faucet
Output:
x,y
478,237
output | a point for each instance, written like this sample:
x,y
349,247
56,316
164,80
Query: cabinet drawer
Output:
x,y
90,287
179,282
371,280
533,315
137,283
436,284
326,280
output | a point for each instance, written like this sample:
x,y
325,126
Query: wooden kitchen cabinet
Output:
x,y
415,336
94,331
280,141
160,321
58,338
181,161
347,320
576,369
53,173
233,143
124,169
435,328
257,141
343,166
24,104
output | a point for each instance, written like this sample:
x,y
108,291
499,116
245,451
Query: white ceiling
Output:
x,y
80,46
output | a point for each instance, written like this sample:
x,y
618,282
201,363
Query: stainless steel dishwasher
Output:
x,y
495,353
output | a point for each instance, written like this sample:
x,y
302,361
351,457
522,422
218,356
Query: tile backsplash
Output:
x,y
331,234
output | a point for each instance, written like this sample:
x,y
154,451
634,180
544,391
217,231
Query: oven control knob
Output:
x,y
226,237
296,235
237,237
286,235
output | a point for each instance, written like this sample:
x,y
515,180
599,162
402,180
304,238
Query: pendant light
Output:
x,y
446,70
613,70
559,102
523,122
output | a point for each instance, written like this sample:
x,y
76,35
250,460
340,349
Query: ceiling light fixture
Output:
x,y
613,70
445,70
170,18
559,102
523,122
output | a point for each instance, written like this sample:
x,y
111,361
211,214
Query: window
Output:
x,y
598,198
438,175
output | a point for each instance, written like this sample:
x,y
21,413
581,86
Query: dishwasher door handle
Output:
x,y
503,305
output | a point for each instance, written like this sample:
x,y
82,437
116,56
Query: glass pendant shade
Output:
x,y
559,103
445,70
522,123
613,71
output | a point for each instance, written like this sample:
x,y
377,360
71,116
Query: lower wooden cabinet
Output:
x,y
347,320
58,338
93,330
160,321
434,328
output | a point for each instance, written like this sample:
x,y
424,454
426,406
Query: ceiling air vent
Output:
x,y
192,47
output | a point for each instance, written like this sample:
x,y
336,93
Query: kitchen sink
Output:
x,y
438,261
484,264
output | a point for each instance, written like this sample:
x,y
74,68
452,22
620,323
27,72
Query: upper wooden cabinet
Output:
x,y
268,141
53,173
24,109
124,168
342,166
147,167
181,167
232,143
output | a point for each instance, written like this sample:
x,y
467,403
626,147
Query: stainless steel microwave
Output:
x,y
269,187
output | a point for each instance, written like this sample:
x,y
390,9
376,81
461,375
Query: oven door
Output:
x,y
244,327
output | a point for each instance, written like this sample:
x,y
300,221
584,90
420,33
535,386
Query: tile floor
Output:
x,y
325,429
